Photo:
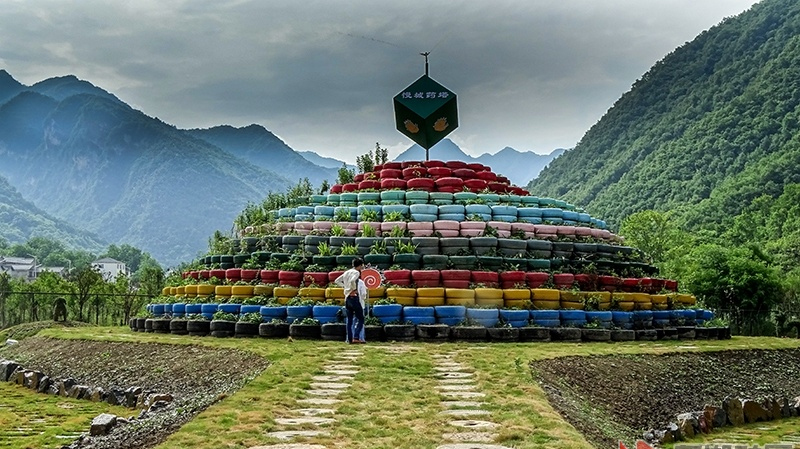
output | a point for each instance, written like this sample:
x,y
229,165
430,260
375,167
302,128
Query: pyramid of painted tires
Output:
x,y
458,248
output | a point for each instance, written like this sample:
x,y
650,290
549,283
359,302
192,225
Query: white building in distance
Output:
x,y
110,268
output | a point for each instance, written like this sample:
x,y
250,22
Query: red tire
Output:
x,y
456,275
455,164
513,277
440,172
336,188
450,182
476,185
433,163
393,184
450,189
350,187
392,276
426,275
415,172
503,180
393,165
455,284
320,279
486,175
333,275
369,185
390,173
484,277
536,279
358,178
378,167
496,187
421,184
464,173
476,166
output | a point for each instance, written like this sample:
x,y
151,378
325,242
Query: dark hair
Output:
x,y
357,262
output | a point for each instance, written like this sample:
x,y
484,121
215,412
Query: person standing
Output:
x,y
355,293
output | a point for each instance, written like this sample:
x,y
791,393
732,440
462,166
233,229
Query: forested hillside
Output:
x,y
704,132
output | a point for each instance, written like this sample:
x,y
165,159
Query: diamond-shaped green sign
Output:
x,y
426,112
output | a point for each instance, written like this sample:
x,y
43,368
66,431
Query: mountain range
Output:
x,y
707,130
82,166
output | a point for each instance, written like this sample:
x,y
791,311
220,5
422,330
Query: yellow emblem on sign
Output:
x,y
441,124
411,127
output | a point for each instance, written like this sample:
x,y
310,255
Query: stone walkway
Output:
x,y
461,401
318,411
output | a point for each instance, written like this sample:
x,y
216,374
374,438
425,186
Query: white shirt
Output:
x,y
350,280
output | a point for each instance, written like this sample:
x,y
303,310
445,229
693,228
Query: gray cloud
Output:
x,y
534,75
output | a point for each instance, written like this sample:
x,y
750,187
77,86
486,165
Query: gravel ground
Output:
x,y
195,376
612,398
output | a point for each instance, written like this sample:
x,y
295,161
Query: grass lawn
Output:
x,y
393,402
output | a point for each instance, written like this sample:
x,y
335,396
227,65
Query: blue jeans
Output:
x,y
354,326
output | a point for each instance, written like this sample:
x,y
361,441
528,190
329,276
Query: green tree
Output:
x,y
150,280
345,175
652,232
86,280
132,257
5,293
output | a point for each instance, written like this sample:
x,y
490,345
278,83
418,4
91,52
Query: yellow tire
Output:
x,y
460,293
242,291
516,303
430,292
687,300
312,292
658,299
283,300
205,289
429,301
546,305
516,294
659,307
545,294
404,300
570,296
260,290
334,293
642,298
626,306
488,293
285,292
643,306
191,291
572,305
490,302
222,290
401,292
377,293
466,302
180,291
173,291
622,297
167,291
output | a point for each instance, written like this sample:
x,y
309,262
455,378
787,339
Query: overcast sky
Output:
x,y
532,75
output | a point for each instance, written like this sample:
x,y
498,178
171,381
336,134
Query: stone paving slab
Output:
x,y
327,378
319,401
289,434
473,424
347,366
352,352
457,381
462,394
301,421
456,387
329,385
472,446
452,404
451,369
314,411
465,412
472,437
452,375
341,372
324,392
290,446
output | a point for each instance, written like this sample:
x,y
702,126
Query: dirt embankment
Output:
x,y
612,398
196,376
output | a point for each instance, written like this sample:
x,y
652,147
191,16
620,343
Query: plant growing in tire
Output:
x,y
274,328
248,324
197,325
306,328
223,324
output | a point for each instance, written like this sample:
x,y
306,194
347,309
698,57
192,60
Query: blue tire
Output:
x,y
414,311
450,312
538,315
572,315
573,323
529,212
514,315
504,210
521,323
158,309
305,210
324,311
249,309
451,209
385,310
547,323
229,308
454,217
424,217
452,321
622,317
390,208
481,209
487,322
324,210
429,209
208,308
299,311
268,313
193,309
417,320
599,316
661,314
505,218
482,314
